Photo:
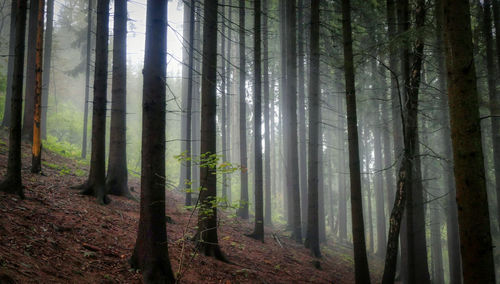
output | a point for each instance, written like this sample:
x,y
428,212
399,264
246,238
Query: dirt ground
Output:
x,y
57,235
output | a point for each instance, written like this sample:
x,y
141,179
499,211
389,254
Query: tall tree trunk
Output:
x,y
312,237
452,236
12,182
227,107
207,214
341,179
29,92
186,43
379,188
196,107
283,92
302,117
362,274
473,216
243,210
267,117
87,79
36,149
258,232
496,21
117,178
10,64
290,122
151,249
223,123
189,104
47,58
96,183
492,94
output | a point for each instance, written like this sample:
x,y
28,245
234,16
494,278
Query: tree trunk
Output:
x,y
290,123
12,182
189,105
29,96
243,210
258,173
47,58
302,117
117,178
379,188
283,92
227,106
267,129
87,80
496,21
341,180
473,215
362,275
258,232
207,214
312,237
223,123
492,94
96,183
10,64
449,183
186,43
36,149
151,249
196,107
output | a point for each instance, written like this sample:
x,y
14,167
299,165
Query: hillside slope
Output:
x,y
57,235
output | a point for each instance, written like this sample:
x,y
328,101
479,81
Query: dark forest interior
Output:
x,y
249,141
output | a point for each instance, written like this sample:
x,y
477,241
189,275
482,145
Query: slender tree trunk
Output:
x,y
473,216
362,274
290,123
87,80
36,149
189,105
496,21
341,181
258,232
117,178
453,241
183,181
196,107
151,249
96,183
283,83
207,214
12,182
10,64
229,83
312,237
302,117
492,93
47,58
29,96
243,210
267,129
436,248
379,188
223,124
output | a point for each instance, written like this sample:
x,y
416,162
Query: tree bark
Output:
x,y
10,64
302,117
258,232
117,178
36,149
290,123
151,248
496,21
47,63
453,242
207,214
312,237
96,183
12,182
87,80
267,129
362,274
473,215
243,210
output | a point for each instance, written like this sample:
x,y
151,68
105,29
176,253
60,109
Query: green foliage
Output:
x,y
62,147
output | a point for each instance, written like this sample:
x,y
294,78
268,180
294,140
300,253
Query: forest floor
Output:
x,y
57,235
